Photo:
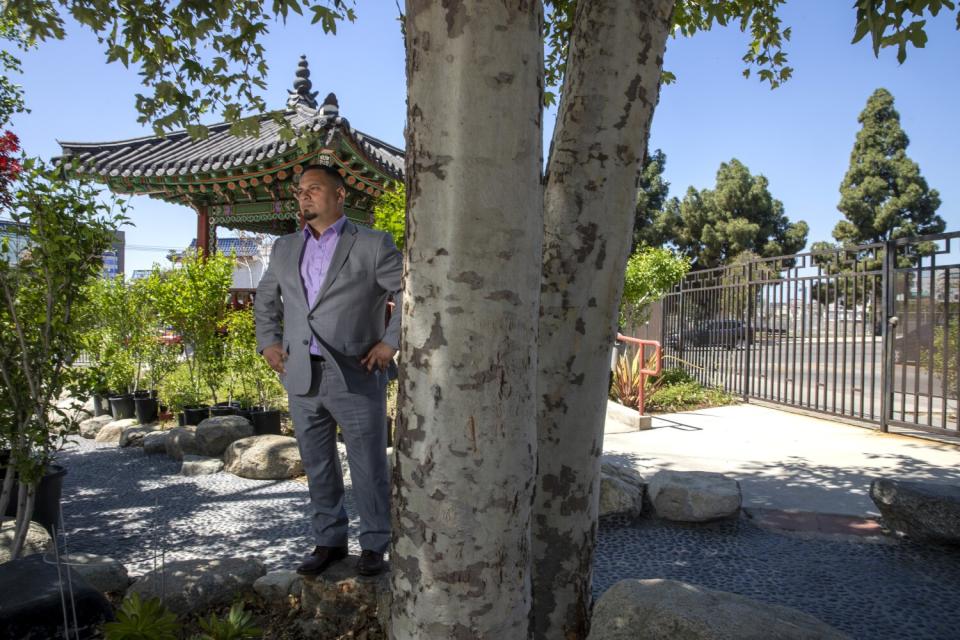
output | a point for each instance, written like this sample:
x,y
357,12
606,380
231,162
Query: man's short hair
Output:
x,y
327,169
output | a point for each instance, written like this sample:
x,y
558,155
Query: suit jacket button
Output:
x,y
306,342
310,317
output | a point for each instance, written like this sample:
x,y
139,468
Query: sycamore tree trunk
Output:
x,y
466,430
609,94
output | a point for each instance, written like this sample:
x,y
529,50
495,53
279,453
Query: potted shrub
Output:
x,y
66,229
192,300
255,379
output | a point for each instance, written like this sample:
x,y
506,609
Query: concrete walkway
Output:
x,y
783,460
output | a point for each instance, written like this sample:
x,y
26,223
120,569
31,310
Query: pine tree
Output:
x,y
652,192
883,196
713,226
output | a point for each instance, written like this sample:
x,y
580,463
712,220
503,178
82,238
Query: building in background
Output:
x,y
17,239
251,255
15,236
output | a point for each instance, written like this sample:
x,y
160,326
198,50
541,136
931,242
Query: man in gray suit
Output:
x,y
320,313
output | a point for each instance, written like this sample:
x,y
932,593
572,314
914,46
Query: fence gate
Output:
x,y
869,333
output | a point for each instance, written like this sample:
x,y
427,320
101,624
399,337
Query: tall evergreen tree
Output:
x,y
652,192
883,196
712,226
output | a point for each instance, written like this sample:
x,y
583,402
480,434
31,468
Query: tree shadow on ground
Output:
x,y
133,507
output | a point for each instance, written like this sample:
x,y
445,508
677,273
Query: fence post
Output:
x,y
748,350
680,323
886,372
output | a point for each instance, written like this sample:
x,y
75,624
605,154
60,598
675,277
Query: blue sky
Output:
x,y
799,136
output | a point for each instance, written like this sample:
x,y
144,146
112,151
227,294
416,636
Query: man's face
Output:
x,y
319,197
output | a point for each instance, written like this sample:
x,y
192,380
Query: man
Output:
x,y
320,310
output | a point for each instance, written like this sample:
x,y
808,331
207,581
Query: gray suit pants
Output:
x,y
362,420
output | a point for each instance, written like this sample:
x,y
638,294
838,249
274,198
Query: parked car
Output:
x,y
712,333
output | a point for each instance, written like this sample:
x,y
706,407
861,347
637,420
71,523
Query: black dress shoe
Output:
x,y
320,559
370,564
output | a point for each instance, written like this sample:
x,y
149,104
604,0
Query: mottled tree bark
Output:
x,y
466,430
609,93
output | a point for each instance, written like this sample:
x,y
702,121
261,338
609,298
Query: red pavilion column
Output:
x,y
203,229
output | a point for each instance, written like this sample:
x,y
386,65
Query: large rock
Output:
x,y
215,434
155,442
340,601
195,585
621,490
113,431
133,436
37,541
182,441
200,466
923,510
694,496
31,607
69,409
667,610
90,427
104,574
278,586
264,458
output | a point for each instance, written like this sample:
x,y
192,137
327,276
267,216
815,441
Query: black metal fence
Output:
x,y
869,333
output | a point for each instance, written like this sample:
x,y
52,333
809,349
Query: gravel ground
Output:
x,y
133,507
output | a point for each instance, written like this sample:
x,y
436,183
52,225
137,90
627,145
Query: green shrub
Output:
x,y
142,620
238,625
685,396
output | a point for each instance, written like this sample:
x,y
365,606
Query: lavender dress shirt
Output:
x,y
315,262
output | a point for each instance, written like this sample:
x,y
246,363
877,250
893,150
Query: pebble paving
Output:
x,y
135,508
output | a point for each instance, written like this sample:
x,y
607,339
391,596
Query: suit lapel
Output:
x,y
295,256
344,244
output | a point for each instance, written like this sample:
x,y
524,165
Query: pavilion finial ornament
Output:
x,y
331,106
302,86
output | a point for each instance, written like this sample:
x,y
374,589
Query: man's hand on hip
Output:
x,y
275,357
379,356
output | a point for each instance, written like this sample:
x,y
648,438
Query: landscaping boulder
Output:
x,y
340,601
31,607
37,541
926,511
196,585
90,427
621,490
278,586
264,458
215,434
200,466
69,409
182,441
133,436
104,574
155,442
694,496
666,609
113,431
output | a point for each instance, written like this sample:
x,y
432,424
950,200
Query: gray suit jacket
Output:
x,y
349,313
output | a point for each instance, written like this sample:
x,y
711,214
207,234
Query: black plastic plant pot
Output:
x,y
101,406
141,393
195,415
147,410
265,422
122,407
223,410
46,510
181,419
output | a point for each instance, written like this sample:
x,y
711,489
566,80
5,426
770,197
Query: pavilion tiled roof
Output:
x,y
179,155
240,247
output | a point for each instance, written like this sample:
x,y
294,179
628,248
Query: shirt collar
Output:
x,y
336,227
